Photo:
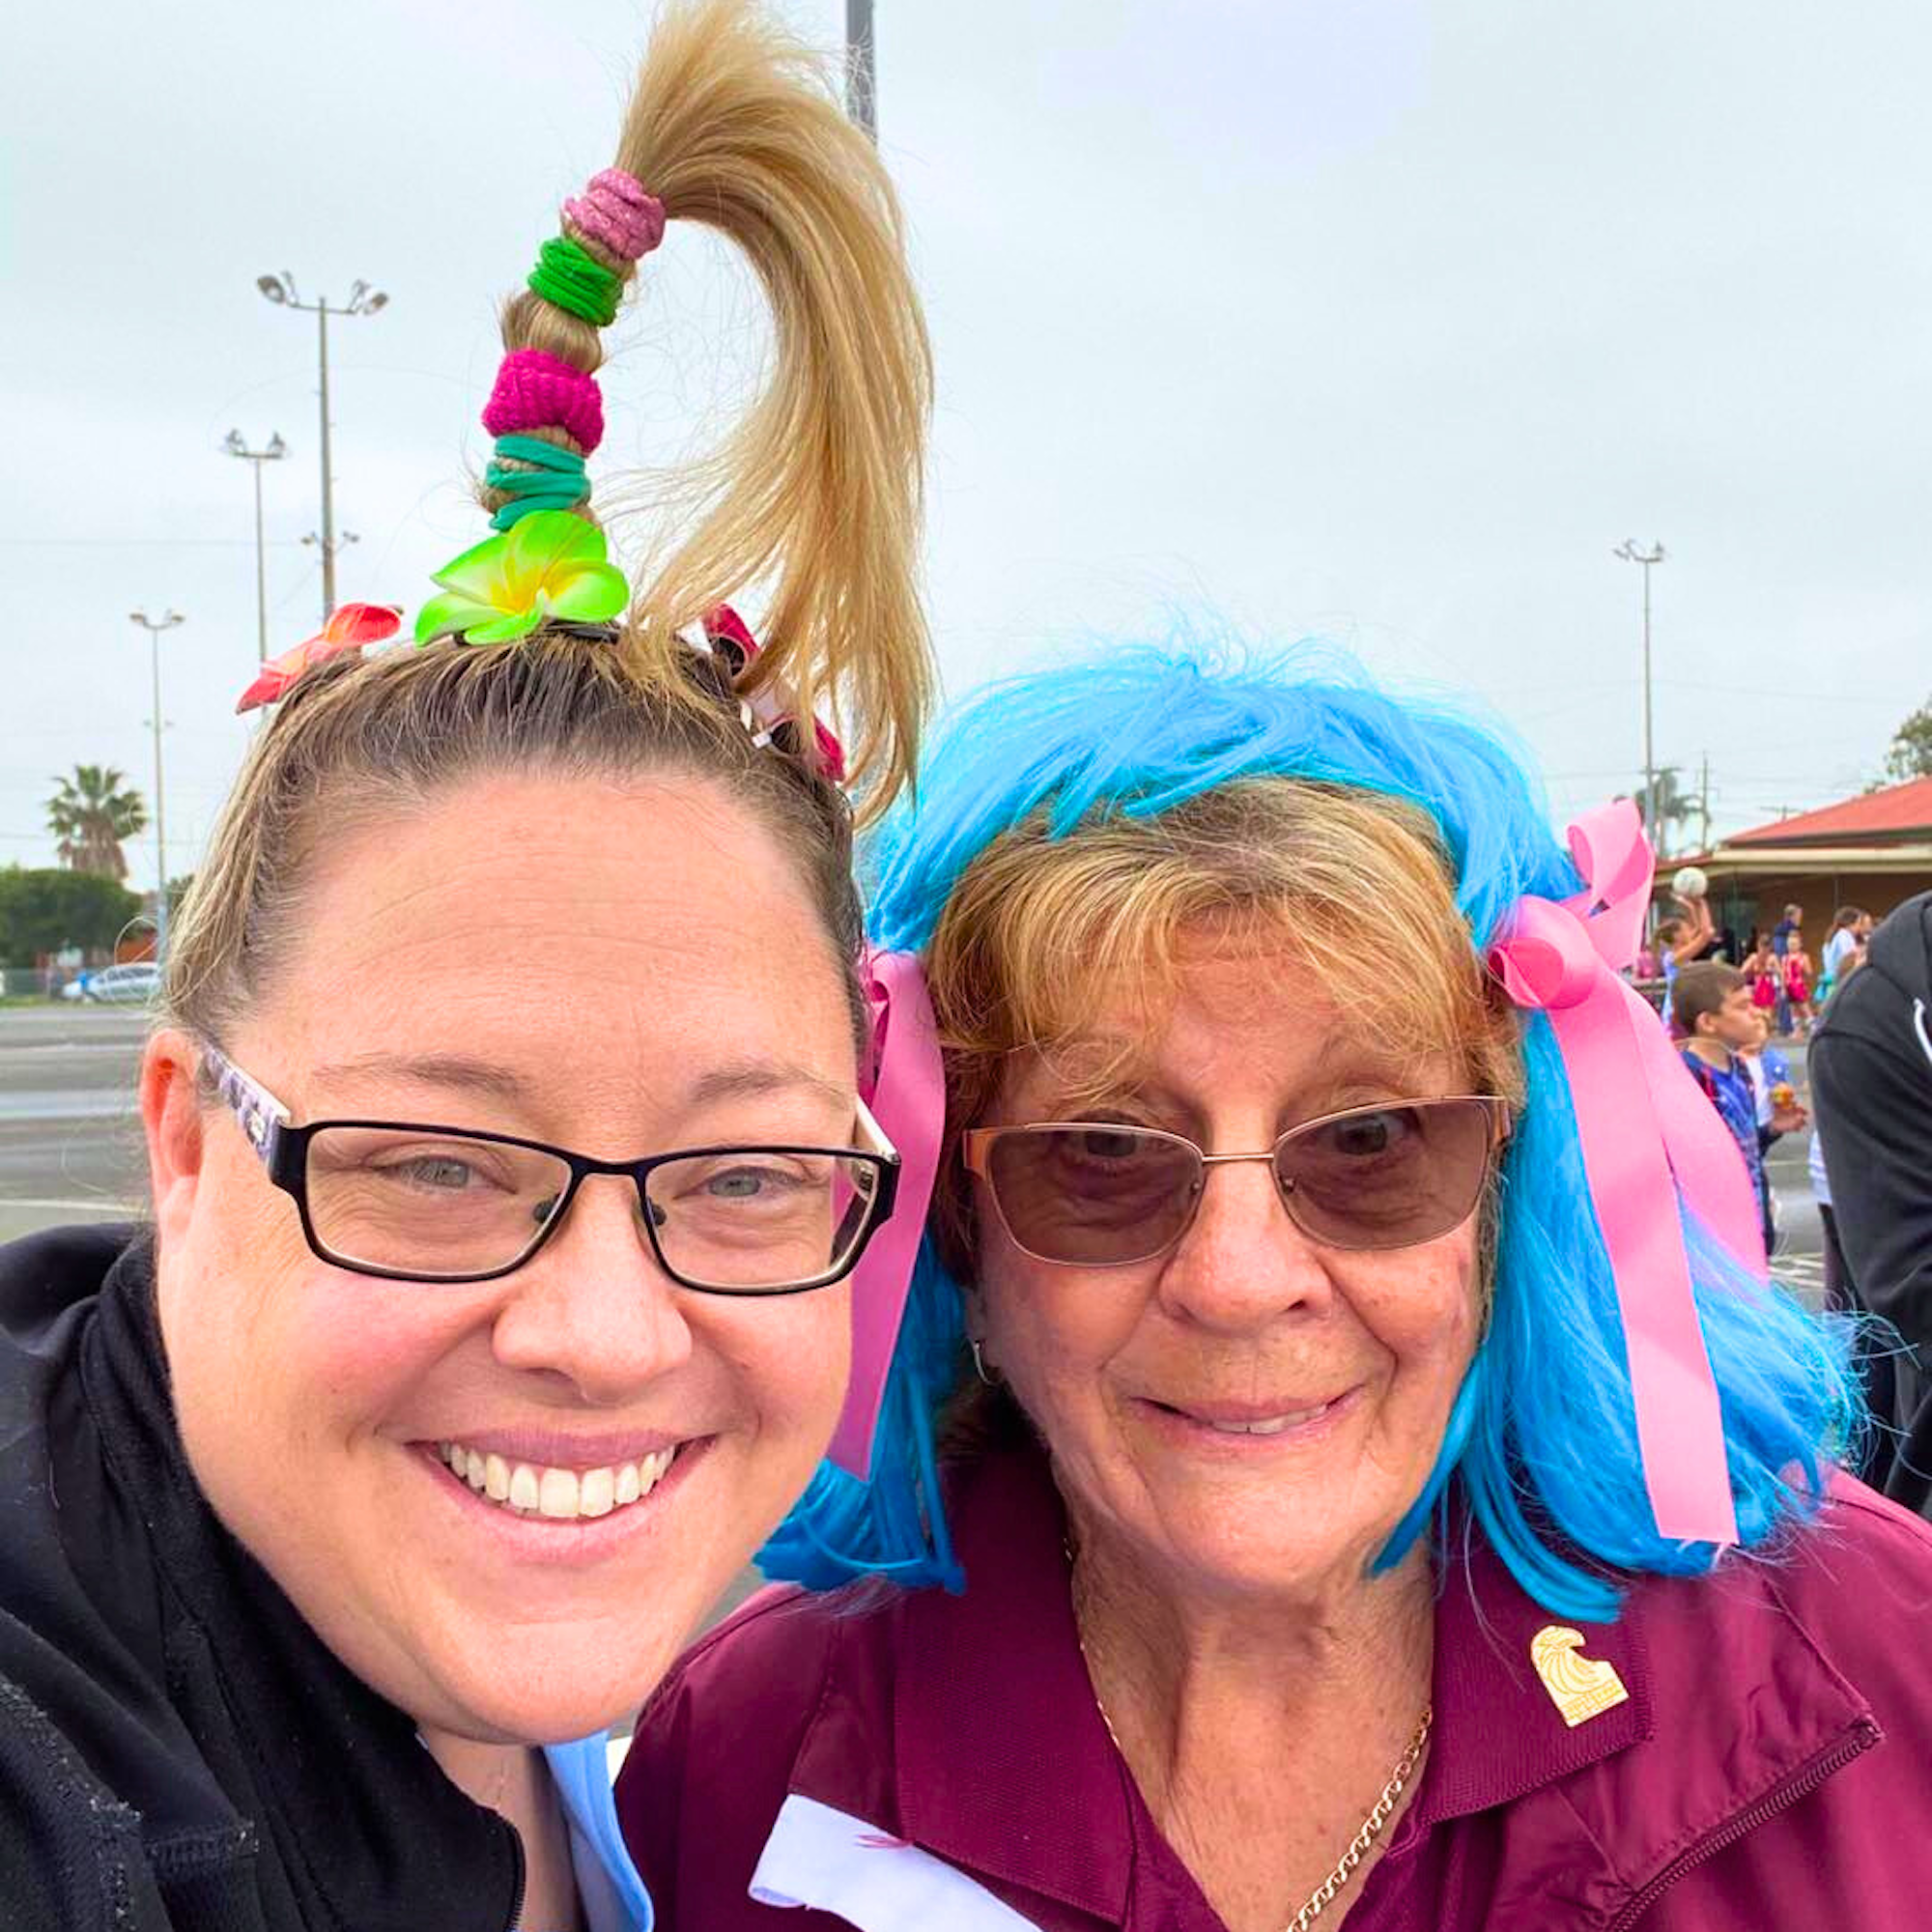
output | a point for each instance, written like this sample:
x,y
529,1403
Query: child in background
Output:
x,y
1760,968
1797,985
1711,1008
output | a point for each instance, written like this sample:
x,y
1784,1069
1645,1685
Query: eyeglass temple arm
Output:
x,y
257,1111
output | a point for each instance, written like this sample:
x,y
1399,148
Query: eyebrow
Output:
x,y
746,1079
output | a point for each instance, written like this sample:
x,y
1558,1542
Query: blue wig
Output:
x,y
1542,1437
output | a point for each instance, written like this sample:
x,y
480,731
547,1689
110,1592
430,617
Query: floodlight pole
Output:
x,y
362,300
1630,554
862,75
275,451
154,626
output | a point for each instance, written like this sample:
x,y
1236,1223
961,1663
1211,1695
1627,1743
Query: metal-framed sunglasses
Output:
x,y
406,1201
1107,1194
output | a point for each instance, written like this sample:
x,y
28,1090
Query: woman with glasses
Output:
x,y
1342,1461
510,1166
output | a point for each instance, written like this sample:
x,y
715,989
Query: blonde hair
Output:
x,y
734,124
1353,882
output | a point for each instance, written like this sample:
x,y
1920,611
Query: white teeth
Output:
x,y
560,1494
1273,1425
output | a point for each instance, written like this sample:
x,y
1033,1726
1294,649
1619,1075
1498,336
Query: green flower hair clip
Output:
x,y
549,564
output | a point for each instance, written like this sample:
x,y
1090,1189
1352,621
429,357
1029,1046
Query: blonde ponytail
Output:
x,y
815,497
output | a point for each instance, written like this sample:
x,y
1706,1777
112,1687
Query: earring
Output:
x,y
974,1343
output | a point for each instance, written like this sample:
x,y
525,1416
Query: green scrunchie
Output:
x,y
558,483
547,455
574,280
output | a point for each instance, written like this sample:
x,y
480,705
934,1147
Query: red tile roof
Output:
x,y
1877,818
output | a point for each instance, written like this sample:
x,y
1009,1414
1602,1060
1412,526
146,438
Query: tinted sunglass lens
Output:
x,y
1097,1196
1387,1176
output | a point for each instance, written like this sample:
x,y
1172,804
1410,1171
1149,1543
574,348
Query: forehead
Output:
x,y
1231,1014
611,940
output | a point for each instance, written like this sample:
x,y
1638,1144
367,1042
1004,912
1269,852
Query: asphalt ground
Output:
x,y
71,1139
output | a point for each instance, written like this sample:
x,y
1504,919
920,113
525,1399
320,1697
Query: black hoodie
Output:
x,y
179,1752
1871,1080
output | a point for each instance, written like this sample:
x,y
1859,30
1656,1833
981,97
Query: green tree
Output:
x,y
90,814
43,909
1911,753
1673,806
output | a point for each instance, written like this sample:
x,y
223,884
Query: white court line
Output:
x,y
73,1207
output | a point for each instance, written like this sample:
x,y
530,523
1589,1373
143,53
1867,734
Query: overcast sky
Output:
x,y
1384,320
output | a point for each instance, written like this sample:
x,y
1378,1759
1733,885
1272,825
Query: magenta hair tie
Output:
x,y
537,390
618,212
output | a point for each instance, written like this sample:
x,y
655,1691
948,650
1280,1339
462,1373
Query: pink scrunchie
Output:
x,y
535,389
618,212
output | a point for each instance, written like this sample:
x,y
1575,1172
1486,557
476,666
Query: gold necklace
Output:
x,y
1371,1827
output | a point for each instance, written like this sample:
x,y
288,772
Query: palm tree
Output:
x,y
90,814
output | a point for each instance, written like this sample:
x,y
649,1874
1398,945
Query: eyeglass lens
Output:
x,y
1375,1177
430,1205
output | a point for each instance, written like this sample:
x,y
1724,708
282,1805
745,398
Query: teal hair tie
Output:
x,y
571,278
546,455
519,507
557,483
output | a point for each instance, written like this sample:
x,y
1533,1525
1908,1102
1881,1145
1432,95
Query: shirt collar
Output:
x,y
1008,1769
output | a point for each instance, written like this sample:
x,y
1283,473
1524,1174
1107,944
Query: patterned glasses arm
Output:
x,y
257,1111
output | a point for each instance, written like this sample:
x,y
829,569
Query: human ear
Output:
x,y
172,1118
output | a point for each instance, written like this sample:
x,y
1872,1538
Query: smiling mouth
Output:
x,y
564,1495
1277,1423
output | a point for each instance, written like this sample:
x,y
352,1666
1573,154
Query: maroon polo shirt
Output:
x,y
1772,1757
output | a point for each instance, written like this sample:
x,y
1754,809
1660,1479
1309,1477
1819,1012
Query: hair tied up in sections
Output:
x,y
814,500
548,659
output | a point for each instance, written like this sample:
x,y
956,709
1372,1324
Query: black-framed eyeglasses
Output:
x,y
1103,1194
409,1202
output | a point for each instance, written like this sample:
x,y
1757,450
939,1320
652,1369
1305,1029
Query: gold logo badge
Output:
x,y
1579,1687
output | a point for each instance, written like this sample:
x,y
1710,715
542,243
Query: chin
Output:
x,y
575,1691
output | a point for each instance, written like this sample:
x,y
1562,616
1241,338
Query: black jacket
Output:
x,y
179,1752
1871,1081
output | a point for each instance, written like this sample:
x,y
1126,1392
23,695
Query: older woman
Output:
x,y
509,1158
1369,1476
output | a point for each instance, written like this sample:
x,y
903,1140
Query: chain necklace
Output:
x,y
1371,1827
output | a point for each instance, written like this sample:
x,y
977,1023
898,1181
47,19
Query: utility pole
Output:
x,y
235,445
1630,554
154,626
862,72
362,300
1704,805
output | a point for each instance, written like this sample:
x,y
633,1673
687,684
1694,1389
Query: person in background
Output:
x,y
1844,946
1878,1368
1796,987
1783,936
1760,967
1717,1024
1871,1081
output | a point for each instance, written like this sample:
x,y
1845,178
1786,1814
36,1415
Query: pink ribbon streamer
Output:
x,y
906,1091
1649,1137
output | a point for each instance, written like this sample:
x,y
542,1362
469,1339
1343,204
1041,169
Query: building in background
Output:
x,y
1870,851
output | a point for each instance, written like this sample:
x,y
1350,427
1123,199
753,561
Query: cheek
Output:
x,y
1050,1331
788,1356
1423,1305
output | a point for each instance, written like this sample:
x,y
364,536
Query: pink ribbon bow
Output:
x,y
905,1088
1649,1137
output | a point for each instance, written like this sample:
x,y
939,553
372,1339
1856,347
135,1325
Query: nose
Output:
x,y
1242,1261
592,1309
